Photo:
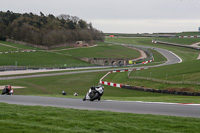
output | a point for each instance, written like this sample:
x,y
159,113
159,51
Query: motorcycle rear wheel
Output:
x,y
96,96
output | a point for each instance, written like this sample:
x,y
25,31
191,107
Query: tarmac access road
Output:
x,y
169,109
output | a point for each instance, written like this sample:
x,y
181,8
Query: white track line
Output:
x,y
193,104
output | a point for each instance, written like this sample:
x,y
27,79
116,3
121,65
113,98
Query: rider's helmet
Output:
x,y
100,85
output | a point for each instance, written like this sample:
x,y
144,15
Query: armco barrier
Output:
x,y
188,36
173,44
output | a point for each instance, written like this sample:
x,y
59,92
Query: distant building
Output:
x,y
199,29
82,43
111,35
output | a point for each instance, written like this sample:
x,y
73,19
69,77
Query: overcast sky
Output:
x,y
119,16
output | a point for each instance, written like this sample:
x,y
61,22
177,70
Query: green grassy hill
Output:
x,y
19,46
104,51
40,59
62,57
183,41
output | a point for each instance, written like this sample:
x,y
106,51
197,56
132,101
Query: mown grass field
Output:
x,y
6,49
103,51
34,119
40,59
182,41
19,46
189,71
188,34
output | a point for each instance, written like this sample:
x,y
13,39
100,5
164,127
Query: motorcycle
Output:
x,y
7,91
94,93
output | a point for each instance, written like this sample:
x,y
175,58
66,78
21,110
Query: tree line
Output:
x,y
46,30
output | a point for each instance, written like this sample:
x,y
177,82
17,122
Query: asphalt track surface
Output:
x,y
169,109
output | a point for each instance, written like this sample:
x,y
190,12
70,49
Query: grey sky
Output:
x,y
124,16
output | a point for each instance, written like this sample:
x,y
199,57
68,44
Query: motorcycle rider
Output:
x,y
100,91
7,90
94,93
64,93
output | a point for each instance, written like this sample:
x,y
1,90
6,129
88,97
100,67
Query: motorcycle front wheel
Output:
x,y
84,99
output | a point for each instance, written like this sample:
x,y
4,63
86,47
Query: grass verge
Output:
x,y
6,49
34,119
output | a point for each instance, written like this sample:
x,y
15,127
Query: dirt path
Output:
x,y
13,87
142,54
198,57
195,44
73,48
9,46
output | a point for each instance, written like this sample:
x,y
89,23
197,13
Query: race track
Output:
x,y
115,106
168,109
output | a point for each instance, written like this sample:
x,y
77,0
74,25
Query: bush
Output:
x,y
2,38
